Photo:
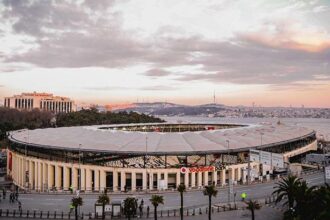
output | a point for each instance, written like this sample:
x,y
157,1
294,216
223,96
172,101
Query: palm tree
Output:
x,y
321,202
76,201
287,187
252,206
130,207
210,191
104,200
155,201
304,197
181,189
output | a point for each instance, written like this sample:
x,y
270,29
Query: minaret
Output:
x,y
214,102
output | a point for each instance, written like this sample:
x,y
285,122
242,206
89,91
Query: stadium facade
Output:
x,y
147,156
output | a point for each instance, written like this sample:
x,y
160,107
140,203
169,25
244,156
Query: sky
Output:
x,y
267,52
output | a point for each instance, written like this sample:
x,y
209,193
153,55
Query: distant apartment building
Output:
x,y
42,101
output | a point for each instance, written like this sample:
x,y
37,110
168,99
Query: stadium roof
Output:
x,y
91,138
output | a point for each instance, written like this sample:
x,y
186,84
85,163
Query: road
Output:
x,y
59,203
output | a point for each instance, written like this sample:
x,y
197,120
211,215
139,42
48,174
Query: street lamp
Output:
x,y
227,141
145,160
79,173
230,181
26,138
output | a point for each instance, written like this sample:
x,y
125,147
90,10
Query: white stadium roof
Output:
x,y
94,139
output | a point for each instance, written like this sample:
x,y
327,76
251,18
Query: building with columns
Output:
x,y
147,156
42,101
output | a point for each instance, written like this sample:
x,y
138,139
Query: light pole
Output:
x,y
79,171
261,134
230,181
146,162
26,182
25,166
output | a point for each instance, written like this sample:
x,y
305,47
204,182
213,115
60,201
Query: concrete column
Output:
x,y
39,176
20,172
144,180
232,173
66,176
122,180
199,179
31,171
239,174
88,179
159,176
186,180
178,179
193,179
102,180
96,180
83,179
215,179
58,177
115,180
206,178
74,178
44,176
151,180
50,176
133,176
223,177
35,175
166,179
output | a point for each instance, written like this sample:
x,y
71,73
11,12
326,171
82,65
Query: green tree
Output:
x,y
130,207
104,200
181,189
286,188
210,191
304,201
76,201
321,203
155,201
252,206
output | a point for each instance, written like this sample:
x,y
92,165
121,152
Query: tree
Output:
x,y
210,191
304,201
287,187
130,207
104,200
181,189
321,203
76,201
155,201
252,206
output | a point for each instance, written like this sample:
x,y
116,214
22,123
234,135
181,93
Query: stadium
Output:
x,y
155,156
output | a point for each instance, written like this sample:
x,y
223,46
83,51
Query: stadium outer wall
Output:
x,y
42,175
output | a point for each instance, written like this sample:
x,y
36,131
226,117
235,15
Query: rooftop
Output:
x,y
92,138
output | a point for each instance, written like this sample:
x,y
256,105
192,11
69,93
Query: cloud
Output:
x,y
146,88
73,35
157,72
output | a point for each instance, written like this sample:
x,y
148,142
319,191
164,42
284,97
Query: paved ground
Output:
x,y
61,203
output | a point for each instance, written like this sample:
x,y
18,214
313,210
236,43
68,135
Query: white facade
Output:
x,y
43,175
42,101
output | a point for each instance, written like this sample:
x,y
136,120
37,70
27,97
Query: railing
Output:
x,y
146,214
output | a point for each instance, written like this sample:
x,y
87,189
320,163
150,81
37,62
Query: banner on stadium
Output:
x,y
197,169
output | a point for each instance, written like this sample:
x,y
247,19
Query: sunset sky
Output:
x,y
271,52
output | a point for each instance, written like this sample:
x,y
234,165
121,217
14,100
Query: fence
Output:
x,y
162,213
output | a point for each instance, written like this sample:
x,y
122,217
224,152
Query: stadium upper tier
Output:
x,y
192,139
